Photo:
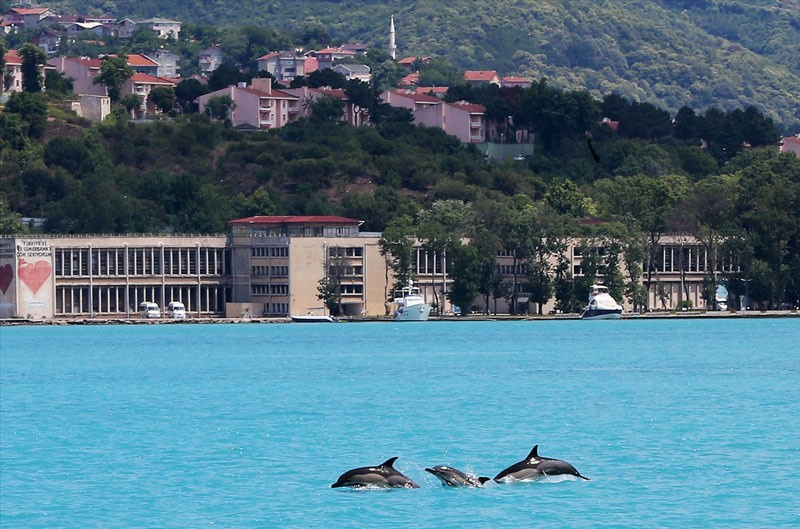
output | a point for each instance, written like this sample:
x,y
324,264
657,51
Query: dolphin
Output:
x,y
452,477
383,476
534,466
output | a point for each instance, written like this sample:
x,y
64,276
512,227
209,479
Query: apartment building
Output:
x,y
258,106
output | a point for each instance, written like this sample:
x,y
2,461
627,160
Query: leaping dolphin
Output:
x,y
452,477
383,476
535,466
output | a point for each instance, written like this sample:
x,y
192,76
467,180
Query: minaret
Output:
x,y
392,45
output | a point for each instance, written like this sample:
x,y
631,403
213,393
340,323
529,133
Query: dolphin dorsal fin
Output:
x,y
534,453
484,479
389,462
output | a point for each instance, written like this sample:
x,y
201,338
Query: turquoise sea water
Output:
x,y
679,423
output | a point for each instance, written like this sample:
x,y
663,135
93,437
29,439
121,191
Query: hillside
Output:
x,y
700,53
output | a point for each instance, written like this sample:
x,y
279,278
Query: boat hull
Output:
x,y
601,314
419,312
313,319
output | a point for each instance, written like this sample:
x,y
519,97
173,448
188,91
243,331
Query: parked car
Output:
x,y
149,310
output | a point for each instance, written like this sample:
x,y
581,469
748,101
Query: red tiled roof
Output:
x,y
12,57
269,55
480,75
28,10
140,60
791,139
432,89
144,78
412,78
295,219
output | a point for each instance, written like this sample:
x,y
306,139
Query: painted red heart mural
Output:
x,y
34,274
6,275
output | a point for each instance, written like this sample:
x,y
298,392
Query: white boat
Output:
x,y
601,305
310,317
410,305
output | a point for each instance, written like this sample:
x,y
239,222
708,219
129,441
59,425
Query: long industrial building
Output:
x,y
266,267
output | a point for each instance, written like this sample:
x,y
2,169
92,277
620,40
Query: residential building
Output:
x,y
92,107
513,81
49,40
167,63
142,84
162,27
12,76
411,62
353,114
357,48
464,120
75,28
360,72
142,64
257,106
791,144
26,17
82,71
481,76
328,56
125,28
283,65
210,59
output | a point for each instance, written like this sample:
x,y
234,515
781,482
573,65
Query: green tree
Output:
x,y
329,292
114,71
9,220
162,97
32,110
220,107
33,59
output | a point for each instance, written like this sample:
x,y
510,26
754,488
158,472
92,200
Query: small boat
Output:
x,y
410,305
601,305
310,317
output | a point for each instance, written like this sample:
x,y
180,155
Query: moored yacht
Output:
x,y
601,305
410,305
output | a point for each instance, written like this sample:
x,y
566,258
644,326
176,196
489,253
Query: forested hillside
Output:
x,y
700,53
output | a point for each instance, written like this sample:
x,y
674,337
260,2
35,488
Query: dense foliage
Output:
x,y
671,53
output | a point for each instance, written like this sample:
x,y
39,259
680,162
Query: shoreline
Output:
x,y
384,319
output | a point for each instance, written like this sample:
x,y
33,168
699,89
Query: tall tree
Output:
x,y
114,71
33,59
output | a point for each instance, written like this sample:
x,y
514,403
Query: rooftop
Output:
x,y
295,219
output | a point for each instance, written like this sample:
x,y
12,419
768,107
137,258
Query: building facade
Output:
x,y
86,276
257,106
272,266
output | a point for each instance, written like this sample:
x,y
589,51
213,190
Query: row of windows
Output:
x,y
153,260
345,271
274,271
295,231
126,300
271,289
276,308
340,251
351,289
504,269
269,251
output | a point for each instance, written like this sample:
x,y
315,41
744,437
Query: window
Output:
x,y
279,251
258,251
259,289
279,271
279,290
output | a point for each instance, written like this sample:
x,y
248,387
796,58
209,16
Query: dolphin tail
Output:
x,y
583,477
